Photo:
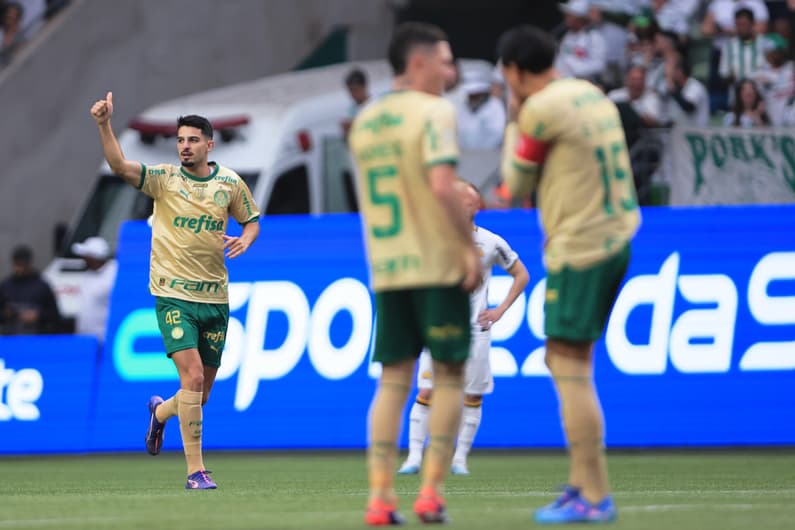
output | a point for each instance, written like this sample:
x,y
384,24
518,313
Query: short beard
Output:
x,y
188,164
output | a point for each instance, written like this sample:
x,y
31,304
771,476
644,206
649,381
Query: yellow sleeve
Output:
x,y
242,205
520,176
439,143
154,179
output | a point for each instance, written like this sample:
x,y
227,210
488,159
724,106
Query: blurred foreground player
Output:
x,y
569,144
188,276
422,260
478,380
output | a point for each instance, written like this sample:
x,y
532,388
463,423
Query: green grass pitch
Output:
x,y
653,490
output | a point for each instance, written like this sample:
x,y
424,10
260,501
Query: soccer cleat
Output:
x,y
154,434
409,469
429,507
200,481
459,469
380,513
569,494
578,510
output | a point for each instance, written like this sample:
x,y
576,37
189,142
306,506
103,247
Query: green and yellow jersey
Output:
x,y
411,242
569,145
190,217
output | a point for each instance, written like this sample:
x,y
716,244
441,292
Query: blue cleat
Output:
x,y
409,469
578,510
154,434
569,494
200,481
459,469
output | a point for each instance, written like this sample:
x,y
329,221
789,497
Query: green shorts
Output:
x,y
408,319
578,301
185,325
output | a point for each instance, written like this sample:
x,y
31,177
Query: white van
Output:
x,y
282,134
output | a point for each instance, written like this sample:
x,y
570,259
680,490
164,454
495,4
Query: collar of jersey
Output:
x,y
200,179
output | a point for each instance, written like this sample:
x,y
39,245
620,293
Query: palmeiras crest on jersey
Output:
x,y
221,198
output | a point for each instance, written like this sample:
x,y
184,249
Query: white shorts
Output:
x,y
477,373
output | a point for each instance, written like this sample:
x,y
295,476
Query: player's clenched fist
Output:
x,y
102,109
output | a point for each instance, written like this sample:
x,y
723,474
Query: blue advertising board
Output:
x,y
699,350
47,393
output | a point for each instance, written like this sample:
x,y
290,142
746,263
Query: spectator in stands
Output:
x,y
641,41
749,107
719,20
719,24
685,100
11,31
582,52
480,117
356,83
666,45
611,18
674,16
638,105
776,80
744,54
96,288
27,303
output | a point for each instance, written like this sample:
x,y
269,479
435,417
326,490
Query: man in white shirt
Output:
x,y
776,80
642,99
582,51
685,99
96,288
480,117
744,54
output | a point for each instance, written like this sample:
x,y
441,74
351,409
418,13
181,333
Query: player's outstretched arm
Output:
x,y
128,170
520,279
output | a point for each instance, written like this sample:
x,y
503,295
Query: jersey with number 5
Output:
x,y
586,193
411,242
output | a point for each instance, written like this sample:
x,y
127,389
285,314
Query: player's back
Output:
x,y
586,193
411,241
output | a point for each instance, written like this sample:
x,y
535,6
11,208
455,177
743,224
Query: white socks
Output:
x,y
418,432
470,421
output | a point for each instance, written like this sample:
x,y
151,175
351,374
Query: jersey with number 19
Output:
x,y
411,242
586,193
191,215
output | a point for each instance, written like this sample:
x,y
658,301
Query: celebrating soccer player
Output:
x,y
568,145
187,276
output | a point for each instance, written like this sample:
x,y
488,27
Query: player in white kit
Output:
x,y
478,379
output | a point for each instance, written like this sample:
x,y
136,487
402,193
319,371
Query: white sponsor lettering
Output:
x,y
19,391
698,339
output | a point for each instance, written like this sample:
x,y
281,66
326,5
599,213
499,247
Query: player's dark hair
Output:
x,y
356,77
529,48
409,36
199,122
744,12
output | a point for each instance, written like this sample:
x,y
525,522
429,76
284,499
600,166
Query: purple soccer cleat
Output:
x,y
154,434
200,481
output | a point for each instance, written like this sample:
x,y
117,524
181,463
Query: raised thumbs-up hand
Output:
x,y
102,109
